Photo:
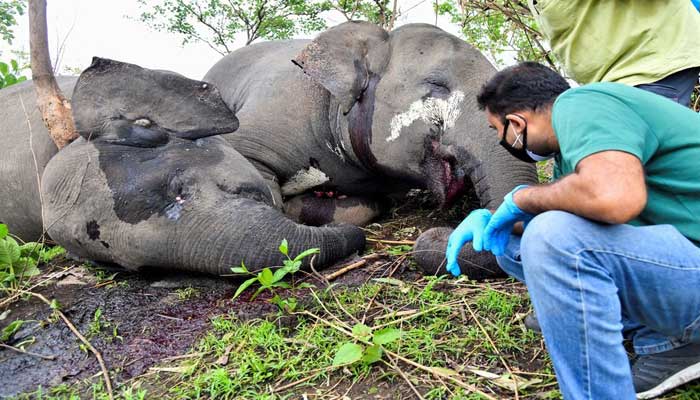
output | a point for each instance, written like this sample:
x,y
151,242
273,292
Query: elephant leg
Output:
x,y
316,211
429,253
272,183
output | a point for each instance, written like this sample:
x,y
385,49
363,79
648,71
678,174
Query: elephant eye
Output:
x,y
437,88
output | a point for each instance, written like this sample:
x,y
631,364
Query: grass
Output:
x,y
460,340
292,353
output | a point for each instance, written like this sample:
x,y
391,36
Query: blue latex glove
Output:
x,y
497,232
471,228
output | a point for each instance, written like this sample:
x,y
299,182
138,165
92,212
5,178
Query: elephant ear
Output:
x,y
342,59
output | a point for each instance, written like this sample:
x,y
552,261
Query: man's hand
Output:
x,y
471,228
497,232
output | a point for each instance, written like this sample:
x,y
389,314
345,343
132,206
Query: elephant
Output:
x,y
365,114
26,149
149,183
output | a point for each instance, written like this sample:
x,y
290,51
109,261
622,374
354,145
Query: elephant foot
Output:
x,y
429,253
315,210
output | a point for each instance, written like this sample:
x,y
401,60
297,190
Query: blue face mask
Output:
x,y
538,157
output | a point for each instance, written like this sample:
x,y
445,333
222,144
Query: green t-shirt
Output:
x,y
664,135
626,41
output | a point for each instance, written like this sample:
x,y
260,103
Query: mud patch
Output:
x,y
141,323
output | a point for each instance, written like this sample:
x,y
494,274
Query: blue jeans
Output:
x,y
589,282
677,87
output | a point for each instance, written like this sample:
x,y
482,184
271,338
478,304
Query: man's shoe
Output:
x,y
655,374
532,323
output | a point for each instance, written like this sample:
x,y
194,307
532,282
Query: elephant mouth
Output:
x,y
445,178
452,182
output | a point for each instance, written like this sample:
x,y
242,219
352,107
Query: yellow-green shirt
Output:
x,y
626,41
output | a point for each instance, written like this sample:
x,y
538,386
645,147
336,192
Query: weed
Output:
x,y
370,349
269,280
19,262
187,293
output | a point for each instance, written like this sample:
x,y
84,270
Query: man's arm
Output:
x,y
608,187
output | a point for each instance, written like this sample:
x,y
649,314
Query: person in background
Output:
x,y
651,44
611,246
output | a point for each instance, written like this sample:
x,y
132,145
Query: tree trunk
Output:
x,y
55,108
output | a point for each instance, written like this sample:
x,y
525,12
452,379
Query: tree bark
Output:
x,y
55,108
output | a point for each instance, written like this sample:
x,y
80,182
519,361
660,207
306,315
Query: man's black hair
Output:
x,y
526,86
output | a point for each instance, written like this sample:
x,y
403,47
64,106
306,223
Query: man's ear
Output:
x,y
516,122
342,58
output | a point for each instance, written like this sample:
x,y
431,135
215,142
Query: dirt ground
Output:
x,y
146,318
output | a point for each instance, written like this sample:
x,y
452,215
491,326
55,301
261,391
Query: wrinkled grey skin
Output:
x,y
333,108
148,185
429,253
26,149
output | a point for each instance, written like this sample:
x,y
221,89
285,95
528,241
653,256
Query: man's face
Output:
x,y
537,128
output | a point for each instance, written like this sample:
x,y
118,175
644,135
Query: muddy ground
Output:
x,y
146,318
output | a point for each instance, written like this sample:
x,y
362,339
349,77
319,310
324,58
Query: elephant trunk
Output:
x,y
494,173
252,235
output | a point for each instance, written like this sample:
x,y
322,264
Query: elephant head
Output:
x,y
148,185
409,104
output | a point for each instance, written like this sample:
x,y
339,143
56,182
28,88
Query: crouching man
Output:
x,y
610,248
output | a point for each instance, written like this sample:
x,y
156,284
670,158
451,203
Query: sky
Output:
x,y
88,28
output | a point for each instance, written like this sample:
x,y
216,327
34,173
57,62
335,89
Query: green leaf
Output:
x,y
361,330
257,292
15,66
55,305
13,248
47,255
284,248
307,253
4,69
265,277
3,231
292,266
5,253
10,330
282,284
386,336
372,354
280,273
31,249
390,281
10,80
244,286
347,354
7,277
26,267
240,270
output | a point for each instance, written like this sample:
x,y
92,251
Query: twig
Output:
x,y
169,317
7,346
433,371
11,298
191,355
302,380
438,373
36,165
82,338
409,242
350,267
417,314
403,375
503,361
